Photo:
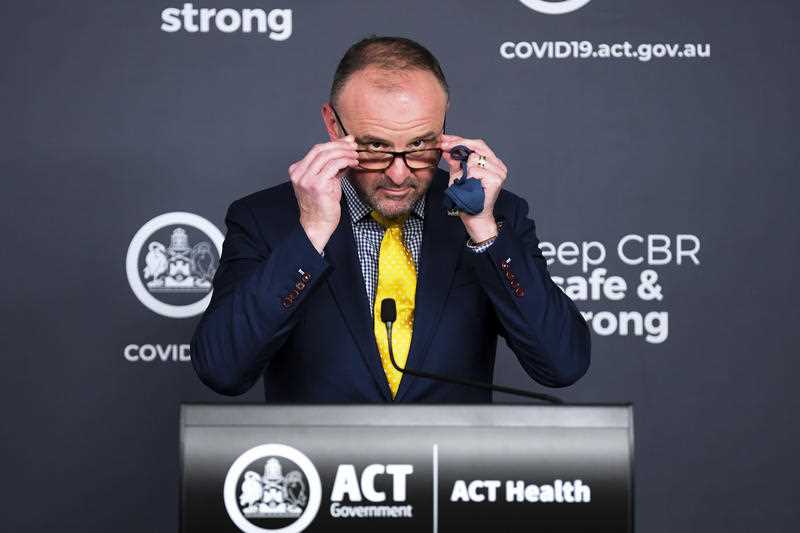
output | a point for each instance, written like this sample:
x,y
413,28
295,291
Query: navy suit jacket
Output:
x,y
302,320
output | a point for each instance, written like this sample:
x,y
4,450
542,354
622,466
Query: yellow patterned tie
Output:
x,y
397,278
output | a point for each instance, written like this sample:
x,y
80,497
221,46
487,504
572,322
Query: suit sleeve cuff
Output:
x,y
308,265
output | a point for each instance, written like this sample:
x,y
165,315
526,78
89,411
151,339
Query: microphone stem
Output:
x,y
466,382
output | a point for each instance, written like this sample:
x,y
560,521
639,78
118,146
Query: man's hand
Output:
x,y
316,183
481,226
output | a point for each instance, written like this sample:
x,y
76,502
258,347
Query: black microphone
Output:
x,y
389,316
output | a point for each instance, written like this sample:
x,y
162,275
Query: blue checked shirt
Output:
x,y
368,235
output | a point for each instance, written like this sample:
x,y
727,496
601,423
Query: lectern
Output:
x,y
387,468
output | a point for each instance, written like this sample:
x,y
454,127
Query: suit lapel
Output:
x,y
347,284
443,240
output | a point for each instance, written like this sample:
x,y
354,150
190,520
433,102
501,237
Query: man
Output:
x,y
306,264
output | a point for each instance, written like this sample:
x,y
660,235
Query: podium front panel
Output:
x,y
406,468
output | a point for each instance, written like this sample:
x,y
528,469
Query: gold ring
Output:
x,y
482,161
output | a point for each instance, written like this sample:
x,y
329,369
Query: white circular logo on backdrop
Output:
x,y
272,488
171,263
555,7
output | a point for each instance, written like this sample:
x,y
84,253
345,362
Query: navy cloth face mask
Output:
x,y
465,194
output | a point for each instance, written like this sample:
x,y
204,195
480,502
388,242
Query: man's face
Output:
x,y
395,111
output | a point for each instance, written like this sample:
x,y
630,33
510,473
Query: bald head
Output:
x,y
389,55
381,101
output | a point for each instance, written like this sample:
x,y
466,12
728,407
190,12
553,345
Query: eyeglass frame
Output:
x,y
390,152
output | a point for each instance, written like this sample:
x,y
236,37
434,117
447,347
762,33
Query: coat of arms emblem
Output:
x,y
179,267
259,497
271,494
171,263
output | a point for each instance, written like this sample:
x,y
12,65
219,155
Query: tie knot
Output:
x,y
386,222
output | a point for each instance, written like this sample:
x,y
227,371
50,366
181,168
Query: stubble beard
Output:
x,y
389,207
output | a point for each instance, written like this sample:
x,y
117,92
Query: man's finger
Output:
x,y
343,142
485,176
331,145
333,166
491,165
476,145
322,158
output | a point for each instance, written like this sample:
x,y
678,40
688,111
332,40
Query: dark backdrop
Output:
x,y
108,122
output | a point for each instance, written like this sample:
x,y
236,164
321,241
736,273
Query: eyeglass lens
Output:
x,y
418,159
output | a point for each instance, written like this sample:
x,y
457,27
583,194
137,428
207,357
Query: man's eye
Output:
x,y
376,146
419,143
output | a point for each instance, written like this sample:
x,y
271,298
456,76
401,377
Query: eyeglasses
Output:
x,y
382,159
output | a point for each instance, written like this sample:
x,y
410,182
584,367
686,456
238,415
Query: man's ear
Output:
x,y
329,120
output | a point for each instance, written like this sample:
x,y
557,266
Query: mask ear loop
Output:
x,y
461,153
465,193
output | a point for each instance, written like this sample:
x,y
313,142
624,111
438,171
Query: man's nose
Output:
x,y
398,171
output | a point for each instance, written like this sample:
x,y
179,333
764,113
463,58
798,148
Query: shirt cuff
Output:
x,y
480,248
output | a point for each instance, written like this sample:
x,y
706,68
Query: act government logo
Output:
x,y
272,487
555,7
171,262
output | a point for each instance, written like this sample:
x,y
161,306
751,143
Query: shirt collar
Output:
x,y
358,209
